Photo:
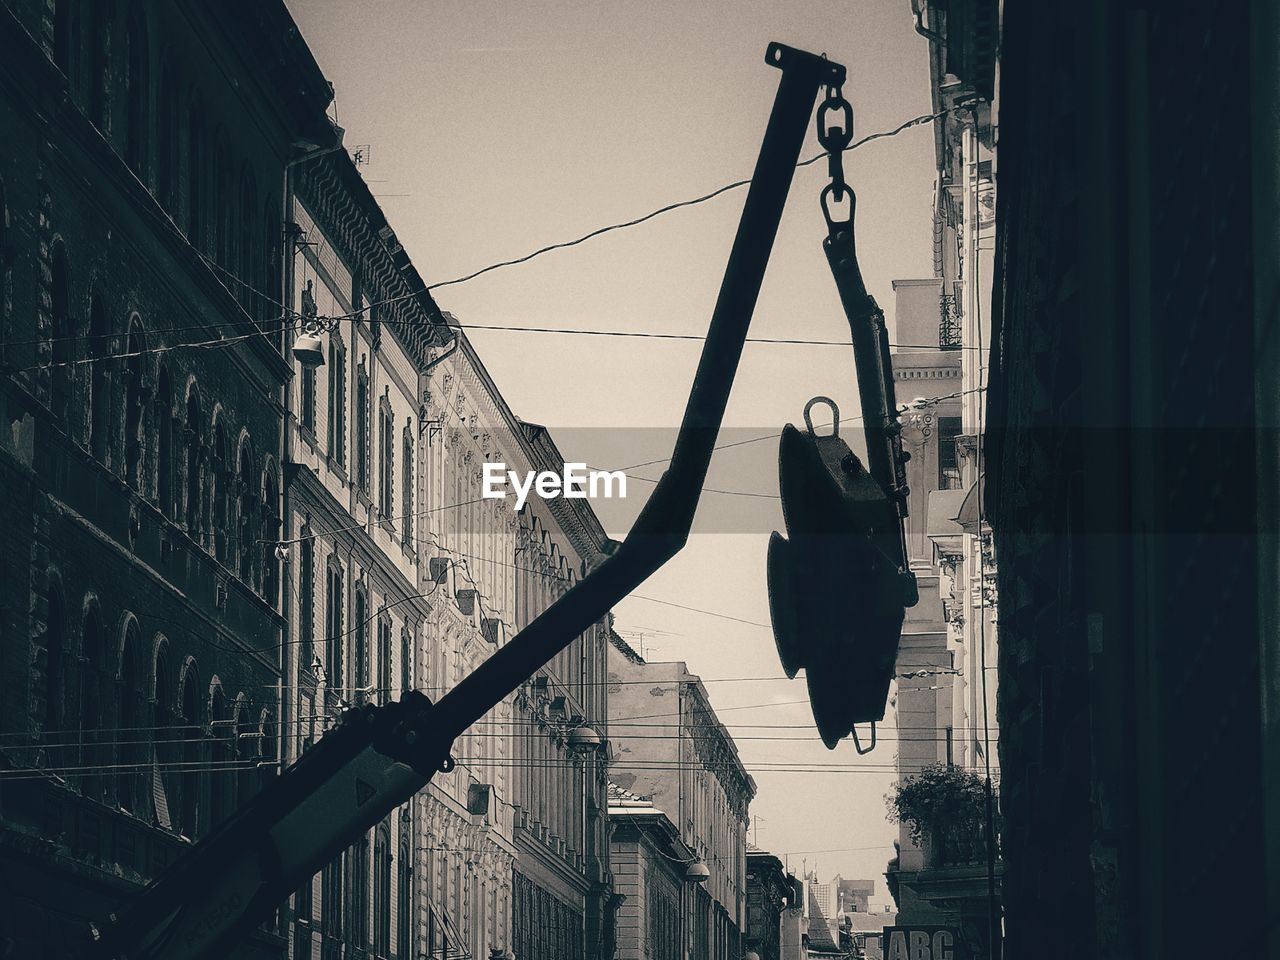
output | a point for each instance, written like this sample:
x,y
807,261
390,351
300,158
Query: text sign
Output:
x,y
921,943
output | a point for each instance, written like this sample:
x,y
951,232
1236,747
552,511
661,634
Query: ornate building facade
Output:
x,y
686,763
140,200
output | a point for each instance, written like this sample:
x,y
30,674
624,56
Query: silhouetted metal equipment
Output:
x,y
839,584
379,757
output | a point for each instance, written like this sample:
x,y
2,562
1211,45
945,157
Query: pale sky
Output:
x,y
499,126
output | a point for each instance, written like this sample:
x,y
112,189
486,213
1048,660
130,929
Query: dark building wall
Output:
x,y
1121,461
139,631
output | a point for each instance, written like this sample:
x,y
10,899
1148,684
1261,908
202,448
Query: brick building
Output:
x,y
143,168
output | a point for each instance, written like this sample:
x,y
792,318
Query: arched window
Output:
x,y
165,749
306,599
361,415
333,627
406,487
247,511
384,660
130,731
267,745
360,654
194,463
331,900
134,403
221,480
138,92
55,668
268,533
337,371
358,894
94,747
404,900
192,750
195,176
221,759
248,742
61,335
164,443
99,346
382,890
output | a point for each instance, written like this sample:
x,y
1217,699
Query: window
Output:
x,y
221,479
132,736
165,751
192,748
221,760
384,659
333,628
303,903
404,901
248,740
164,443
948,463
268,535
60,332
309,399
195,176
306,600
386,473
360,626
134,392
382,891
337,402
137,106
406,667
331,898
247,525
55,646
92,687
357,900
222,208
406,487
362,429
951,759
99,382
194,464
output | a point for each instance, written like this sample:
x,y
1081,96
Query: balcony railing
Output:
x,y
949,328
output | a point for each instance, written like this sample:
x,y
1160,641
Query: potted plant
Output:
x,y
944,809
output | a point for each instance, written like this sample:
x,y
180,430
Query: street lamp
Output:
x,y
584,739
696,872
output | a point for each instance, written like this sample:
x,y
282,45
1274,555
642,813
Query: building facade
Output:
x,y
770,890
1134,390
686,762
357,612
141,201
946,687
649,861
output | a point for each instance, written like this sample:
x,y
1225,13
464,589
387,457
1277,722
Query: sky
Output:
x,y
494,127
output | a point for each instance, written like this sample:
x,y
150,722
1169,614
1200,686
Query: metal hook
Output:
x,y
857,744
835,415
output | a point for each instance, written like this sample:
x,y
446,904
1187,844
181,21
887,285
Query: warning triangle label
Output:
x,y
363,792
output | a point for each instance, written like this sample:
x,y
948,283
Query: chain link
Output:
x,y
835,139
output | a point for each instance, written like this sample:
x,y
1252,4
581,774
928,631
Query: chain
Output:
x,y
835,139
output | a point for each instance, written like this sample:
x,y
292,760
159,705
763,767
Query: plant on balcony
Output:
x,y
943,806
